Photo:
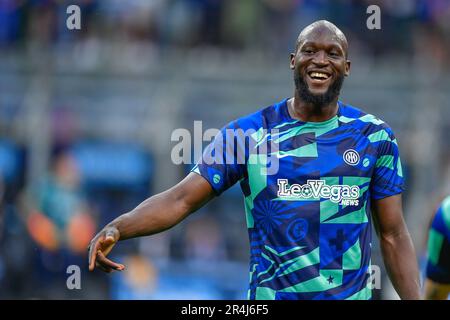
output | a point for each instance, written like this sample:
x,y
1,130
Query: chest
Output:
x,y
347,158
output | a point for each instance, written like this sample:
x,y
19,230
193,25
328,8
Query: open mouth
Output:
x,y
319,76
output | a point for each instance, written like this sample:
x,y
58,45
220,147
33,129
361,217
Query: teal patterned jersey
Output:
x,y
438,264
307,189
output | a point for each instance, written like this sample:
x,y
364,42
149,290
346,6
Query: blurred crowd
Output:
x,y
46,223
45,228
268,25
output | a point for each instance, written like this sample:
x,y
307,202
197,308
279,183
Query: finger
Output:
x,y
109,240
106,267
93,254
108,263
103,268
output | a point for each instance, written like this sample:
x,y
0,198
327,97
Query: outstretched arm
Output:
x,y
154,215
397,247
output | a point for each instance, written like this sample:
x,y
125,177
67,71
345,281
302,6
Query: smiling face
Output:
x,y
320,63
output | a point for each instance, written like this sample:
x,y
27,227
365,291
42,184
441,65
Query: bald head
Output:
x,y
320,64
320,28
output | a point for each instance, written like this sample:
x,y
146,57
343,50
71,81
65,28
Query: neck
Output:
x,y
307,112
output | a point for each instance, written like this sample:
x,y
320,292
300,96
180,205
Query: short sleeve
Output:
x,y
438,258
223,161
387,178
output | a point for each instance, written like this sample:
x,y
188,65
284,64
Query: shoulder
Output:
x,y
266,118
372,126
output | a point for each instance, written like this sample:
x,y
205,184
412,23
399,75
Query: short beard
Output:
x,y
319,100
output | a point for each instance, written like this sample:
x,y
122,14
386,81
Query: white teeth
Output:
x,y
319,75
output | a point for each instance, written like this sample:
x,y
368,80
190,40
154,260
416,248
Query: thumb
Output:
x,y
110,237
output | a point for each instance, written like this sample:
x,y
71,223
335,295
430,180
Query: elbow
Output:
x,y
395,238
182,206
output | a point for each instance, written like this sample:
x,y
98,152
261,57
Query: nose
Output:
x,y
320,58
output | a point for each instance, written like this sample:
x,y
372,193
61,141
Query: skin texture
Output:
x,y
154,215
396,246
320,47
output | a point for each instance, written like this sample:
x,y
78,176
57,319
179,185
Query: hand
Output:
x,y
99,248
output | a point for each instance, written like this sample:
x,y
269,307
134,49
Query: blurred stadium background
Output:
x,y
86,119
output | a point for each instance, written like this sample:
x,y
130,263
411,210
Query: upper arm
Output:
x,y
192,192
387,214
387,179
223,162
214,173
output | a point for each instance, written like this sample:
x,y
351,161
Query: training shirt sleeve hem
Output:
x,y
400,190
196,171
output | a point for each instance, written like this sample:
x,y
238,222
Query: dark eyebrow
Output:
x,y
329,46
306,43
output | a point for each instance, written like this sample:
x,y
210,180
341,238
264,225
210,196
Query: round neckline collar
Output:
x,y
286,114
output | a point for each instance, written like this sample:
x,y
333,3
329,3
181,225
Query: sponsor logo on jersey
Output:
x,y
318,189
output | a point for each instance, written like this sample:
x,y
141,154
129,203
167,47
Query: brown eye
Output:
x,y
334,54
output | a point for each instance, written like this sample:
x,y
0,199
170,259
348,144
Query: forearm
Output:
x,y
401,264
154,215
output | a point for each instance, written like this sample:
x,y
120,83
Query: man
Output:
x,y
309,222
437,283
